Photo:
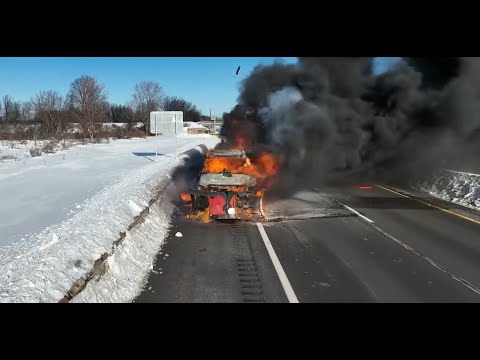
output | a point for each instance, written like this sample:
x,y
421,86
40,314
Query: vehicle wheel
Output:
x,y
256,203
199,203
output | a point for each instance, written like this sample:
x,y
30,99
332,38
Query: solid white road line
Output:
x,y
287,287
358,214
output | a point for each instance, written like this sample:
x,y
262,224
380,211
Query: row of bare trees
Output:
x,y
14,111
149,96
190,111
86,104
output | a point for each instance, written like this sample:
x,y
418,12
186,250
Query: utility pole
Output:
x,y
176,138
213,120
156,135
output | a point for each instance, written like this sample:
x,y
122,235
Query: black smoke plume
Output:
x,y
333,119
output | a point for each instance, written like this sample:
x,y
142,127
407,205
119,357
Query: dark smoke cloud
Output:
x,y
333,118
436,72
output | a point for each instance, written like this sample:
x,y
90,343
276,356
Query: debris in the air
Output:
x,y
238,70
179,234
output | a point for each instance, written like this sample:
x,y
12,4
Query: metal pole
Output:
x,y
176,138
156,136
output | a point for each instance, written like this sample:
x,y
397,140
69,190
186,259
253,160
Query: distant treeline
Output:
x,y
86,104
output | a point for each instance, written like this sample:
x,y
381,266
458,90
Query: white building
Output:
x,y
166,122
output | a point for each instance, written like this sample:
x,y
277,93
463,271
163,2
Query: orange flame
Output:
x,y
203,216
185,197
262,167
237,188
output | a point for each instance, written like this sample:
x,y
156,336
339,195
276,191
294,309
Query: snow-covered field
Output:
x,y
62,211
458,187
37,192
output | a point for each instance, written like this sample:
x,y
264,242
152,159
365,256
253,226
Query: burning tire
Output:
x,y
251,205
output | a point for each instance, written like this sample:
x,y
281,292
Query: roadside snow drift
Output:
x,y
458,187
134,257
43,266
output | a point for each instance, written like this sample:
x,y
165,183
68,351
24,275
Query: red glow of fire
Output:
x,y
241,143
262,167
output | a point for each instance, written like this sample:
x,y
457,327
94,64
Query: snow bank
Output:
x,y
124,125
458,187
193,125
133,258
41,268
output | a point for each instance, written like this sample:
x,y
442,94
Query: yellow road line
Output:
x,y
434,206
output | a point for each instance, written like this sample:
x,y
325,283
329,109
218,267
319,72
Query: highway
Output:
x,y
326,245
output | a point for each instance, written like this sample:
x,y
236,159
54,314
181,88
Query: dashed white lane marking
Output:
x,y
358,214
409,248
433,263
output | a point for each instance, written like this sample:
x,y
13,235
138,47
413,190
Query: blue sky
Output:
x,y
381,64
209,83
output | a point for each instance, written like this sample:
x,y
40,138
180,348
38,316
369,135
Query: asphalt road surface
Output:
x,y
343,244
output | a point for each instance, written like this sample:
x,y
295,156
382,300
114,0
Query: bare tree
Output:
x,y
27,111
148,97
48,107
190,111
121,114
88,99
10,110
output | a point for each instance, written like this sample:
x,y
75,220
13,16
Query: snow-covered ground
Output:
x,y
192,125
62,211
458,187
37,192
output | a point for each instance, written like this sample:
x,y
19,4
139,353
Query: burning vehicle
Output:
x,y
231,186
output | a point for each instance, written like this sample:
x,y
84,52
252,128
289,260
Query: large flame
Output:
x,y
263,167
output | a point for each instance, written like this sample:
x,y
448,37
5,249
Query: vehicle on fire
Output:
x,y
224,190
